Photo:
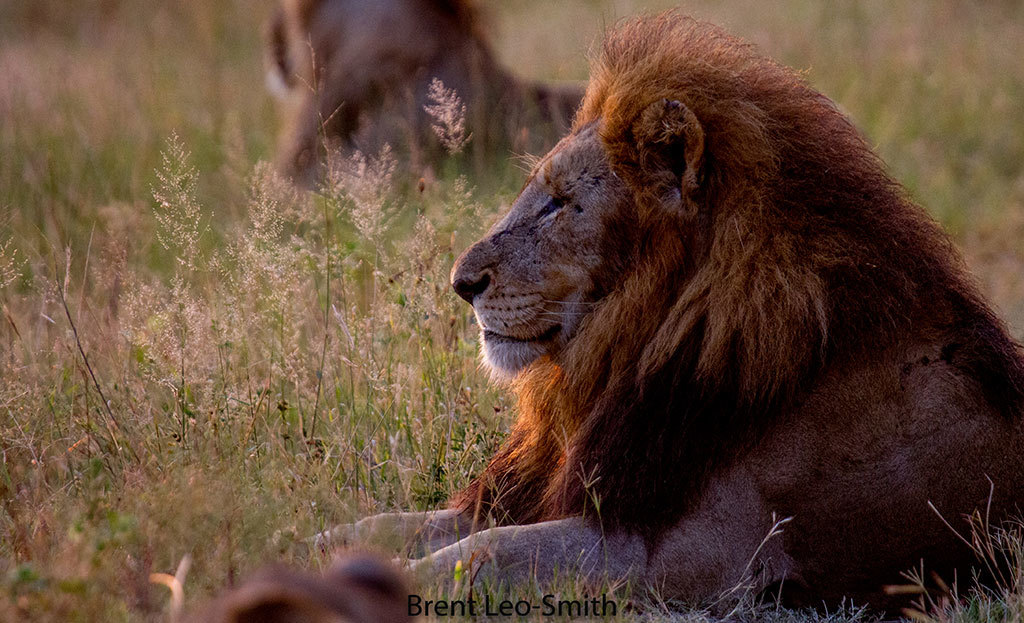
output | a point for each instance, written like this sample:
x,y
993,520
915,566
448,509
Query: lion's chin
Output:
x,y
506,357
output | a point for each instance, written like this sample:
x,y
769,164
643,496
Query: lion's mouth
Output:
x,y
547,335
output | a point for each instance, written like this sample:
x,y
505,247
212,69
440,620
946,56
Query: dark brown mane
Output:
x,y
803,254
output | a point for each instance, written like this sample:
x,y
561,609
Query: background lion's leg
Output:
x,y
416,533
543,551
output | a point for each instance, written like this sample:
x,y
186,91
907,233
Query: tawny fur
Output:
x,y
360,72
716,308
358,588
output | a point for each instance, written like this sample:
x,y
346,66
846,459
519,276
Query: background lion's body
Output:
x,y
361,72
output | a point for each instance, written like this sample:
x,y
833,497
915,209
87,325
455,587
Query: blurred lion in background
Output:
x,y
359,75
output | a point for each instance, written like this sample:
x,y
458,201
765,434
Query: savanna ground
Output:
x,y
199,363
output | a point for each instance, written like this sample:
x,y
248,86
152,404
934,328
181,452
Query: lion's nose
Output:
x,y
471,287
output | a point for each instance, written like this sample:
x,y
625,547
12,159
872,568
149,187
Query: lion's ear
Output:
x,y
670,140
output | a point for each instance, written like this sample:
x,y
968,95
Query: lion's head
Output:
x,y
534,278
651,221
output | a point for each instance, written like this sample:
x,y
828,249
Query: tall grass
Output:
x,y
198,360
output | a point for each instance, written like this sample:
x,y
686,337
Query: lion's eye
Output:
x,y
553,205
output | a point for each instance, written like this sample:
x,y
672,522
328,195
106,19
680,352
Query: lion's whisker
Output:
x,y
572,302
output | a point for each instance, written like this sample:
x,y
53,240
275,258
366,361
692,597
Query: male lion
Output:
x,y
363,69
718,311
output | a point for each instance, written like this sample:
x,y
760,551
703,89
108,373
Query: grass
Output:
x,y
197,360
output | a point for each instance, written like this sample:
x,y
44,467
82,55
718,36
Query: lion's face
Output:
x,y
542,269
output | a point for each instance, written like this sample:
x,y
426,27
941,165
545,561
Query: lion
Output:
x,y
358,588
361,74
742,355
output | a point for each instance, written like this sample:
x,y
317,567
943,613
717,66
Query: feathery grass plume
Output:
x,y
448,113
419,279
265,267
171,324
423,250
266,220
169,327
179,213
367,183
10,266
463,206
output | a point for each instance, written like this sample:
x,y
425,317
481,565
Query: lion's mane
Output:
x,y
802,255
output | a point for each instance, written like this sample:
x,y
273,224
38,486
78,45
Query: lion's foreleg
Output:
x,y
728,547
416,533
544,552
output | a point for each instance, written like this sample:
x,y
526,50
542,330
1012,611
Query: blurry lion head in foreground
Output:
x,y
358,588
359,74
